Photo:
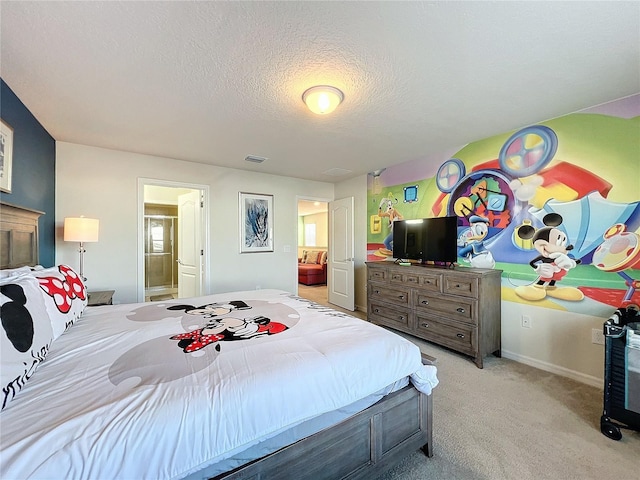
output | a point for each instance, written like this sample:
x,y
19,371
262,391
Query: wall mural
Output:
x,y
556,206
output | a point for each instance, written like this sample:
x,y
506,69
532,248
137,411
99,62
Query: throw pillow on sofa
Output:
x,y
313,257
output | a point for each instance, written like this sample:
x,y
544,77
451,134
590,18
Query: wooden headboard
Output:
x,y
18,236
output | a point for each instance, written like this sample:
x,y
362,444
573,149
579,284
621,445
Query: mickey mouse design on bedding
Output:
x,y
223,328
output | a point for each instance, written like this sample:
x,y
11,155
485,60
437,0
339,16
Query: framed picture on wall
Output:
x,y
256,222
6,156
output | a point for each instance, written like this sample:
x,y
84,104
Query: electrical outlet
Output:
x,y
526,321
597,336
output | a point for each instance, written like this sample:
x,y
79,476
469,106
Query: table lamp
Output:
x,y
81,229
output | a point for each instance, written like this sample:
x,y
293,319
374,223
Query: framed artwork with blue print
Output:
x,y
256,222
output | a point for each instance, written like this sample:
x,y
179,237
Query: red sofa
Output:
x,y
312,267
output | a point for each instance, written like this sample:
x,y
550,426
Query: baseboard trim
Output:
x,y
549,367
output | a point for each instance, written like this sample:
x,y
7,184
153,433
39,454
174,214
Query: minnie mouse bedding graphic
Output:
x,y
223,328
177,354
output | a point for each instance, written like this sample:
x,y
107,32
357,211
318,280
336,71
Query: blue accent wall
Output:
x,y
34,168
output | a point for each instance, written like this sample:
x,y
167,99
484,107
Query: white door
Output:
x,y
189,245
341,262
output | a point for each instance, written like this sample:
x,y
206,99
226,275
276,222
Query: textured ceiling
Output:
x,y
213,82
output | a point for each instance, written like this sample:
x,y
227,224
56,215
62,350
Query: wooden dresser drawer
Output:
x,y
457,308
377,274
431,283
391,316
383,293
459,336
461,285
402,278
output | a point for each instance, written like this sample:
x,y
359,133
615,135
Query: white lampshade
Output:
x,y
81,229
322,99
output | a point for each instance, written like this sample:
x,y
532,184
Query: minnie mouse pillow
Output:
x,y
65,296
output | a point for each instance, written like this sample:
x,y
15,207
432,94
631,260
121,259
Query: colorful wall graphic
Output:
x,y
556,206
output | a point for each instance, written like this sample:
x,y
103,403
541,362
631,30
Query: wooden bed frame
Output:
x,y
18,236
360,447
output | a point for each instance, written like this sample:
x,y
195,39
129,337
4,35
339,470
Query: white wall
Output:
x,y
103,184
558,341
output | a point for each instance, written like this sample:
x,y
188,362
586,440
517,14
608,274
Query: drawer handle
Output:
x,y
425,302
375,310
425,325
457,285
460,335
412,280
401,297
460,310
376,291
401,318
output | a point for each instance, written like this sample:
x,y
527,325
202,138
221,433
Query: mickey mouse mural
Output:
x,y
552,263
514,200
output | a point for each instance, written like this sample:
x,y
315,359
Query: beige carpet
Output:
x,y
511,421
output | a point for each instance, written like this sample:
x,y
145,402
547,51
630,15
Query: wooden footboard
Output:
x,y
360,447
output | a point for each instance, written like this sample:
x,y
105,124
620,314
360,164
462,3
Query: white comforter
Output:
x,y
140,391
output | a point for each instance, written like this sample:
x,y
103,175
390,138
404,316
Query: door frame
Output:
x,y
204,190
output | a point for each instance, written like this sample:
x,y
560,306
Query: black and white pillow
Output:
x,y
26,334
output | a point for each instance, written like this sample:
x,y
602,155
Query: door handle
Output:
x,y
179,261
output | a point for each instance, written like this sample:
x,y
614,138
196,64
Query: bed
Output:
x,y
254,384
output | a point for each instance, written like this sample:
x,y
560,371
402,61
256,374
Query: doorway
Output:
x,y
160,251
173,254
313,226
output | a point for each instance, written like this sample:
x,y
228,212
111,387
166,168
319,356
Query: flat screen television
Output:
x,y
426,239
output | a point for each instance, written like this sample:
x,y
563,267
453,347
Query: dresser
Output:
x,y
458,308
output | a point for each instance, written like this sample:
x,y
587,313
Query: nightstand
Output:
x,y
104,297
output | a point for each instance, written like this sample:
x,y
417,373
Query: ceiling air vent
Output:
x,y
255,159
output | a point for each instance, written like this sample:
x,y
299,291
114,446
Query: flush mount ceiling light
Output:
x,y
322,99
